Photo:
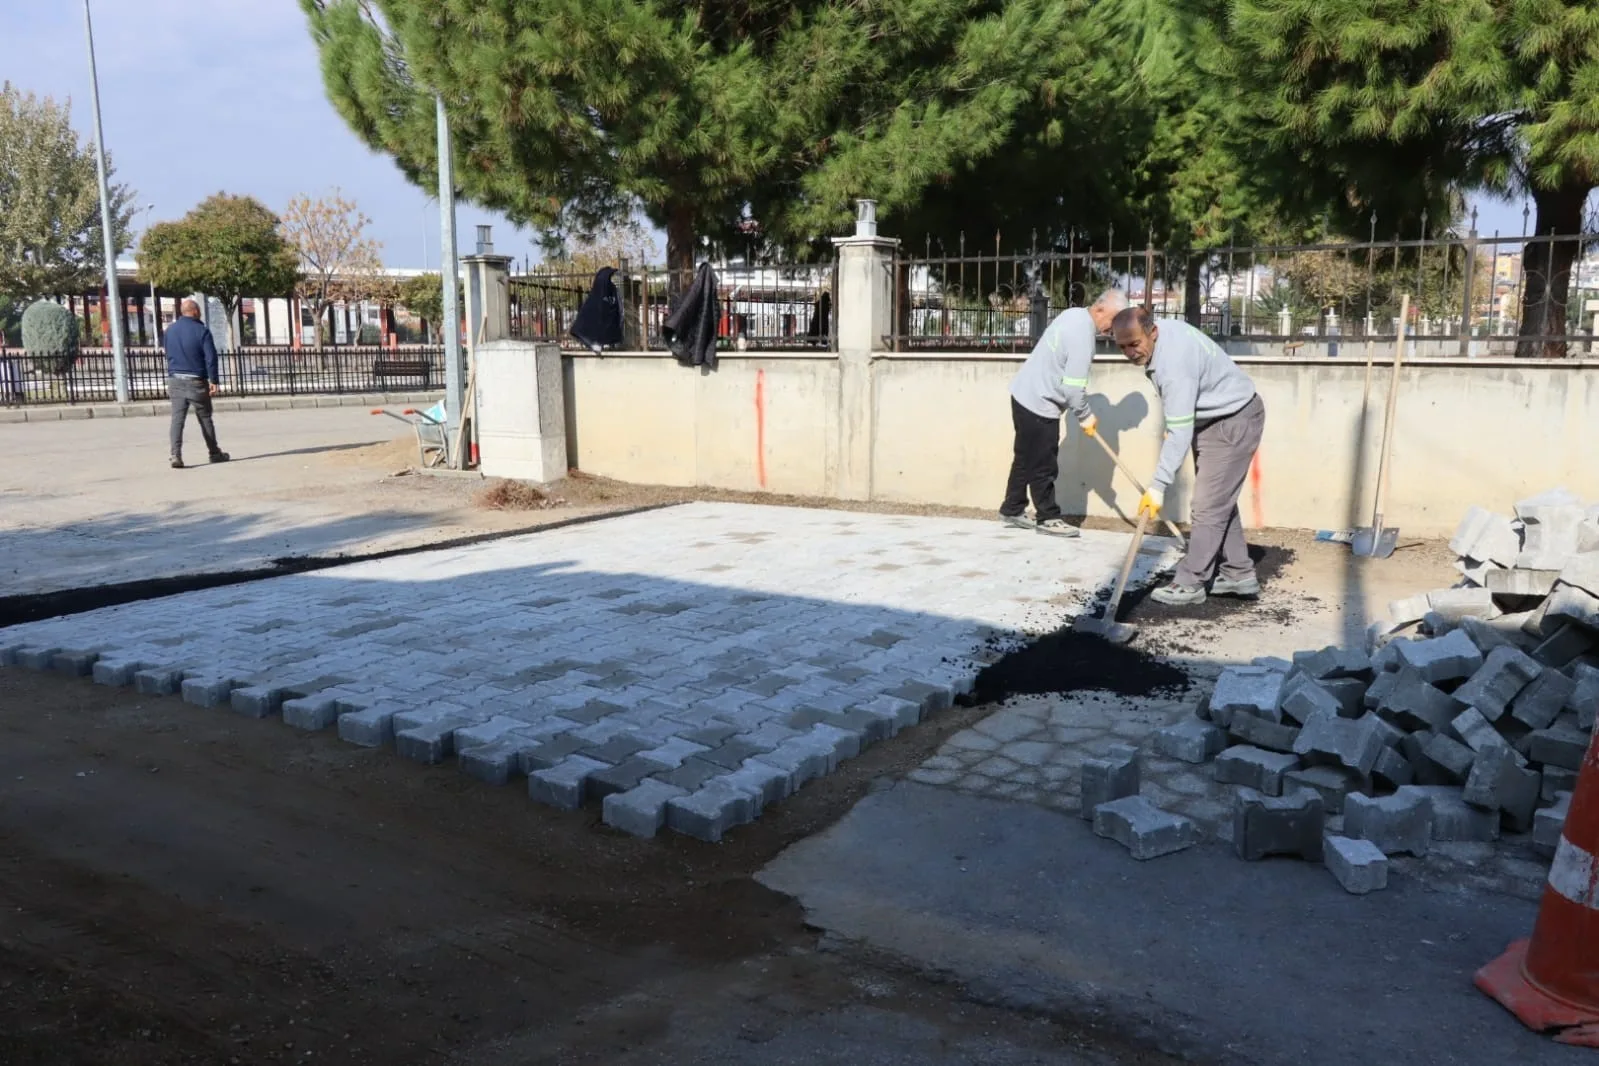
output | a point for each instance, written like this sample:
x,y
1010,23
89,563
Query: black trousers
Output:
x,y
189,393
1035,465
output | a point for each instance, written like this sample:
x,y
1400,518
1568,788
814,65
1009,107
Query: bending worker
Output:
x,y
1211,405
1052,381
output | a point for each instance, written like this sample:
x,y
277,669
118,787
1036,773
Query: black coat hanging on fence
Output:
x,y
599,320
690,330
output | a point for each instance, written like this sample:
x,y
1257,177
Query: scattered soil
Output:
x,y
1066,661
506,495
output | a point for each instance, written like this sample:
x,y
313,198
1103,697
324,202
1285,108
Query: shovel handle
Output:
x,y
1136,483
1127,568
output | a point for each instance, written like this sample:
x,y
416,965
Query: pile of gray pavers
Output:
x,y
1467,715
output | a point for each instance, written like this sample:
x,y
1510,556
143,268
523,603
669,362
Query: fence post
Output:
x,y
865,317
488,296
1468,304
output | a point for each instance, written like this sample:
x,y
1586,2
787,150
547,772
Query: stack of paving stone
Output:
x,y
1473,725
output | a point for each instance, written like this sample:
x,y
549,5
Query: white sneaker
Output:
x,y
1058,527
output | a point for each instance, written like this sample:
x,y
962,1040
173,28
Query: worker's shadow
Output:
x,y
1085,469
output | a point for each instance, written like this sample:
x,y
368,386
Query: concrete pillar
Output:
x,y
488,298
520,425
865,317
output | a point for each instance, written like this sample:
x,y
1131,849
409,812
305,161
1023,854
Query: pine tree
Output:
x,y
568,113
1496,93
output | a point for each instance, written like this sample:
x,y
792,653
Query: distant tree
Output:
x,y
337,263
228,247
50,201
424,296
50,337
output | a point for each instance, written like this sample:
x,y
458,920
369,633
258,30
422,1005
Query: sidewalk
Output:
x,y
223,404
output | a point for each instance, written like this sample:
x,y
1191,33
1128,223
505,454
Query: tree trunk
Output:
x,y
679,251
1547,269
1192,304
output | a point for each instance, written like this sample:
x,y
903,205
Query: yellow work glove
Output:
x,y
1091,427
1151,503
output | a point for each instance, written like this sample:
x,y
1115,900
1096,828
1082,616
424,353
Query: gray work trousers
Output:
x,y
1223,452
187,393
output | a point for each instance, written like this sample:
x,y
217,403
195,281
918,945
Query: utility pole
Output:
x,y
119,356
449,271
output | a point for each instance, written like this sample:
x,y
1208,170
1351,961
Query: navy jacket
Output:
x,y
190,350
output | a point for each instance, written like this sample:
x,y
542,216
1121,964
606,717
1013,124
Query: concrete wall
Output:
x,y
1466,432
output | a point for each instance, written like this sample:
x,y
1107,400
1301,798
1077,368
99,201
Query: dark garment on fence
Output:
x,y
690,330
599,320
187,392
821,317
190,350
1035,464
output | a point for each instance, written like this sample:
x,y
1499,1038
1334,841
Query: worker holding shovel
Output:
x,y
1052,381
1210,405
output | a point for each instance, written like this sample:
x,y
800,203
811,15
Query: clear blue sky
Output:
x,y
226,95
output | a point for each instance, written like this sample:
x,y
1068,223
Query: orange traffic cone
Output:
x,y
1551,982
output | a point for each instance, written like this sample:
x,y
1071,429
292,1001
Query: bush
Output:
x,y
370,334
50,337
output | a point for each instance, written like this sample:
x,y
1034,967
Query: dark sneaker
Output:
x,y
1175,595
1058,527
1017,521
177,463
1245,586
219,457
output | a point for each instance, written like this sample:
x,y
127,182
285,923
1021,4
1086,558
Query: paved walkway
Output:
x,y
688,665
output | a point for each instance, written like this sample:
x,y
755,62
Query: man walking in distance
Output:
x,y
1211,405
1052,381
192,379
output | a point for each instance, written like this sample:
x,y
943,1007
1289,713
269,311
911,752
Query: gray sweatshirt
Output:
x,y
1054,379
1198,383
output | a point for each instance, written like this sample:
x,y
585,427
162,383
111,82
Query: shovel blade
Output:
x,y
1375,543
1386,543
1106,629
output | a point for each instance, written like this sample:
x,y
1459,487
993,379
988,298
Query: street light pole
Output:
x,y
449,276
155,301
119,356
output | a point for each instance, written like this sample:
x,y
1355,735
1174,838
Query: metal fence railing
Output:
x,y
251,371
1469,294
787,307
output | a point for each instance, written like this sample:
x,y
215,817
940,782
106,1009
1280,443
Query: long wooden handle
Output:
x,y
1380,500
1127,568
1136,483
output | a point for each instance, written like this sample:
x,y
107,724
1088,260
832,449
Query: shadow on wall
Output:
x,y
1087,473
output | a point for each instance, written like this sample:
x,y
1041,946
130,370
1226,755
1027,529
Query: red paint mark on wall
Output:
x,y
760,427
1258,508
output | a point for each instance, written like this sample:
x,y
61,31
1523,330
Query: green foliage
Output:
x,y
50,201
50,337
424,295
10,321
228,247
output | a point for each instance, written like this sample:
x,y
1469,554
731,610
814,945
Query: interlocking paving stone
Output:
x,y
731,651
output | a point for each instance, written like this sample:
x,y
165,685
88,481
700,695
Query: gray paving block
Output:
x,y
1393,770
116,673
74,663
1540,703
42,659
1350,692
256,701
1556,780
1549,536
1382,686
765,784
1499,783
372,727
1358,865
904,713
1251,690
1412,703
1334,784
1584,698
641,810
1329,739
1453,819
1190,741
1448,658
1254,768
208,691
158,681
1502,676
802,758
1450,755
1272,662
551,750
1398,824
563,785
1475,731
623,777
493,763
1108,779
1566,643
710,811
1306,699
1528,583
311,713
1549,825
1406,611
1291,824
691,774
1573,604
9,650
1454,604
1333,662
1262,733
1582,572
1146,831
1560,746
1490,635
1487,536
